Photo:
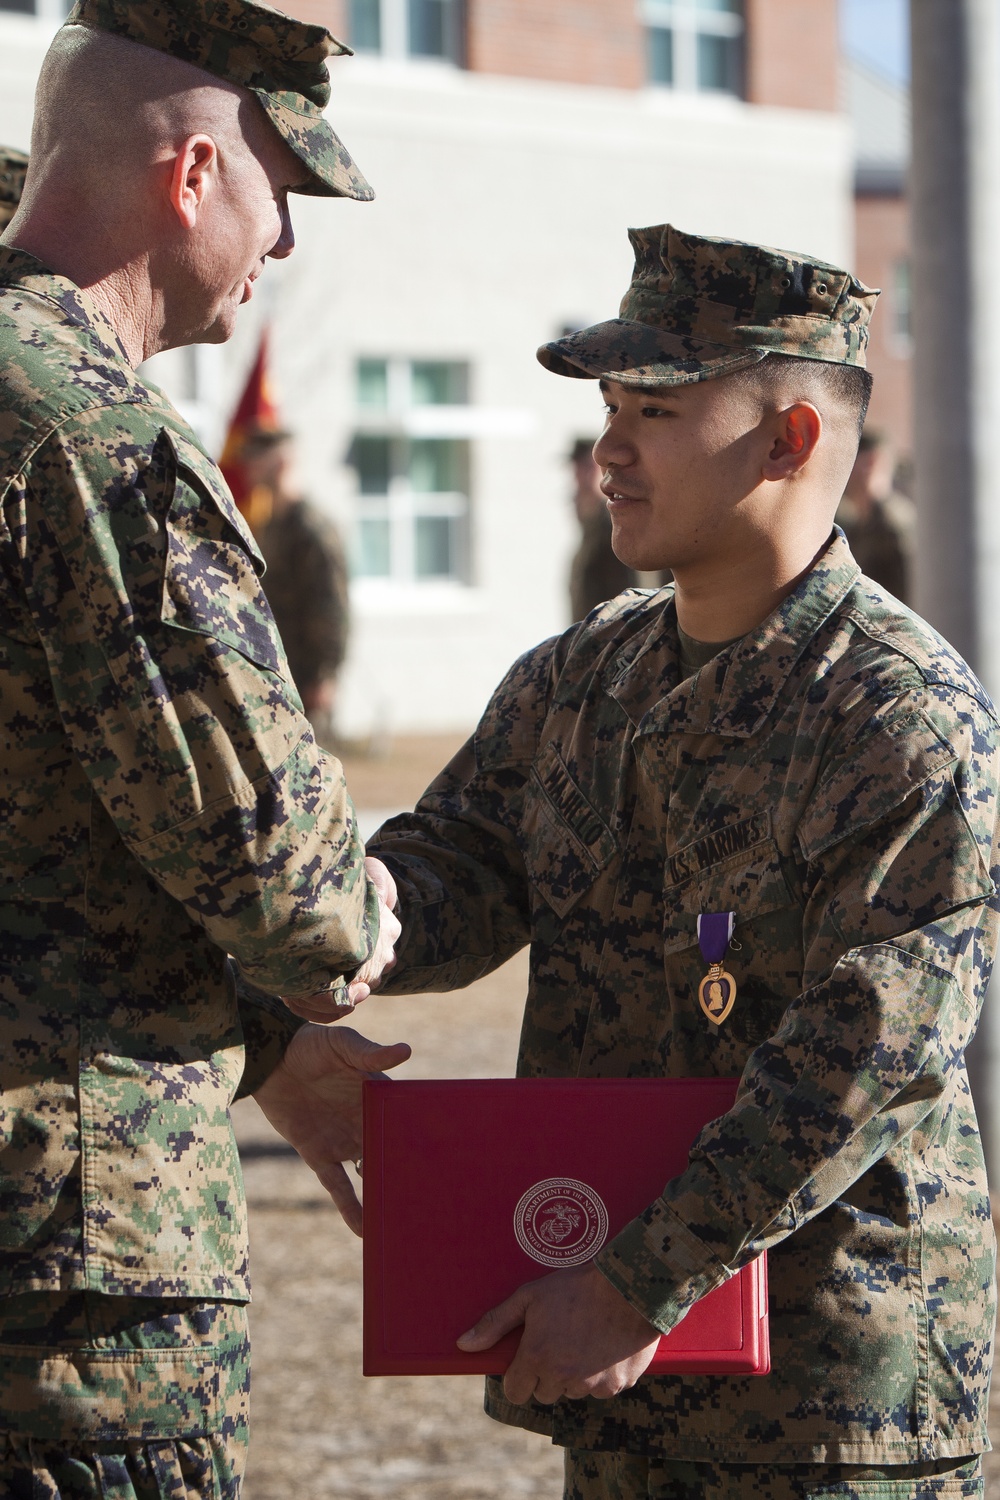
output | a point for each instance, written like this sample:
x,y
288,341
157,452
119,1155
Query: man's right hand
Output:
x,y
326,1005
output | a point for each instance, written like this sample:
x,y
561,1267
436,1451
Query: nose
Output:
x,y
285,243
612,448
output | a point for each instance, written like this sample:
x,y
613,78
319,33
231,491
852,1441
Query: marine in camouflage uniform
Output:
x,y
880,524
830,778
13,166
164,806
306,580
596,574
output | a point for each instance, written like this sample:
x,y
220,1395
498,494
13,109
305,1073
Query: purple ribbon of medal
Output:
x,y
717,990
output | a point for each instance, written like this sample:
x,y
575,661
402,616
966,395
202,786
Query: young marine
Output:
x,y
771,749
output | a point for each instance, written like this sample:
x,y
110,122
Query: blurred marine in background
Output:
x,y
596,574
13,166
165,804
879,523
306,582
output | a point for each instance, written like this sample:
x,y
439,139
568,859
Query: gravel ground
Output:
x,y
319,1427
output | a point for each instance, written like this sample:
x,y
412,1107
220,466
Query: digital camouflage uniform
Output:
x,y
13,166
831,779
164,806
307,589
621,1476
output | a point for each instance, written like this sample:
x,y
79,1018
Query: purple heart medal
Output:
x,y
717,990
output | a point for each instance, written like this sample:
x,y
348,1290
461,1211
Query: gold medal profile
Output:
x,y
717,994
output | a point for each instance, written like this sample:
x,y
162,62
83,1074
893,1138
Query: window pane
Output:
x,y
366,25
426,21
719,63
434,28
733,7
436,465
371,456
373,548
436,383
434,547
27,7
373,383
661,54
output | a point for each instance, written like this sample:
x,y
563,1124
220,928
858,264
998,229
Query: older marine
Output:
x,y
777,746
165,805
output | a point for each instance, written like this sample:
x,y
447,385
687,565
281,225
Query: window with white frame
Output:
x,y
409,28
412,467
695,45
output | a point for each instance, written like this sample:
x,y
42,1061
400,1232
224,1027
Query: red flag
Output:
x,y
255,412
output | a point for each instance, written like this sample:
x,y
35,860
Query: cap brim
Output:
x,y
332,170
633,353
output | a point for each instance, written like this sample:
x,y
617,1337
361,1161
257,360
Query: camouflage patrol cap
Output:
x,y
280,60
13,165
698,308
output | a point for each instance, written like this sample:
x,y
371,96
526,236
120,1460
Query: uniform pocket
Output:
x,y
565,841
211,582
766,958
749,882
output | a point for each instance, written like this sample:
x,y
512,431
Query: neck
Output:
x,y
735,595
122,289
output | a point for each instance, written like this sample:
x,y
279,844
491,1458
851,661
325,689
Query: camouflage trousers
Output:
x,y
624,1476
122,1398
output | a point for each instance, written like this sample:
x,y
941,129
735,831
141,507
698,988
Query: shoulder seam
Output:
x,y
926,672
42,433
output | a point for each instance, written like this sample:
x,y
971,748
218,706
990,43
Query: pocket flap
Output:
x,y
566,841
750,883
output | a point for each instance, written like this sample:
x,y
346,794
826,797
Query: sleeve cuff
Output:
x,y
268,1027
660,1266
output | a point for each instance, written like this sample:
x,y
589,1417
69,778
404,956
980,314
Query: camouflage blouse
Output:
x,y
164,805
832,780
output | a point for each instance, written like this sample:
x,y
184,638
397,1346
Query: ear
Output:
x,y
798,430
192,176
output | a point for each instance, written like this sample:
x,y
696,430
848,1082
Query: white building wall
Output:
x,y
500,218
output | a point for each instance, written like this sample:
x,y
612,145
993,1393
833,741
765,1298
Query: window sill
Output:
x,y
372,597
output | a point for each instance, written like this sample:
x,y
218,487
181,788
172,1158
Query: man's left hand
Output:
x,y
581,1338
313,1099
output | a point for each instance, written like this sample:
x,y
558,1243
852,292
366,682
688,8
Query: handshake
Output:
x,y
313,1096
330,1005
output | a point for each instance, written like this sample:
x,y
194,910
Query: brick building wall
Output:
x,y
568,41
792,53
792,46
329,13
882,230
791,57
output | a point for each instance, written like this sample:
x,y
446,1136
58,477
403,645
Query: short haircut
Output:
x,y
847,386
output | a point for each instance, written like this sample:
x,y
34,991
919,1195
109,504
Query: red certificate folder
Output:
x,y
472,1187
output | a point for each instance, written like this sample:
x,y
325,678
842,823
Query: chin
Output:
x,y
220,331
637,557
